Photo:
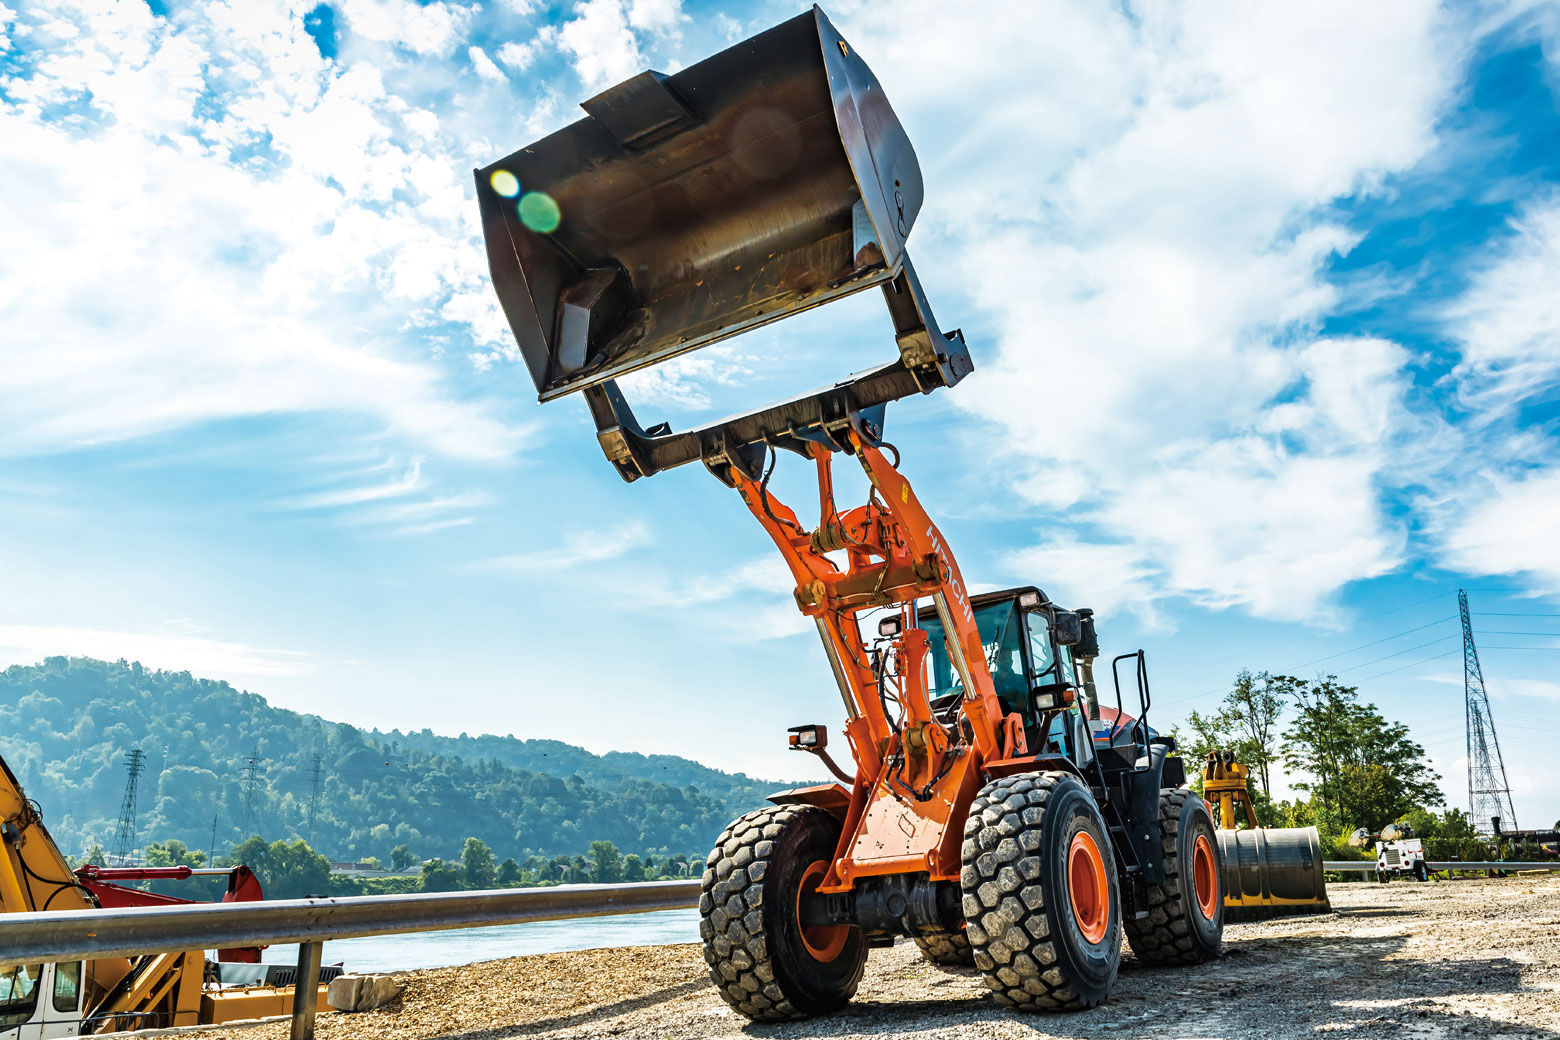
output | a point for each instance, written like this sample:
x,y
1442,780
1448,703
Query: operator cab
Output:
x,y
1035,651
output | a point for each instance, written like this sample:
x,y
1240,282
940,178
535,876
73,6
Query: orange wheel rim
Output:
x,y
1087,888
1205,877
823,941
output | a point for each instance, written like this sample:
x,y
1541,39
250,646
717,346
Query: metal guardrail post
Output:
x,y
306,990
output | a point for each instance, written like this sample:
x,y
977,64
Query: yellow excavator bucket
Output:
x,y
684,209
1267,870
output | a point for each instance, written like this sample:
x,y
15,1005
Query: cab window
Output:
x,y
1001,633
18,993
1052,664
67,986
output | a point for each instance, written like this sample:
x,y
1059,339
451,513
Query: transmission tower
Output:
x,y
252,794
1489,795
124,837
316,785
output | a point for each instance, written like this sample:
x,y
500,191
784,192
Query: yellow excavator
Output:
x,y
81,998
1267,870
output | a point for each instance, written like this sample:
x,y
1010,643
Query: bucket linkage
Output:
x,y
682,210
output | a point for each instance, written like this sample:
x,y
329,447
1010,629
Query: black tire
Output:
x,y
950,949
1185,922
1421,871
753,943
1021,898
1382,877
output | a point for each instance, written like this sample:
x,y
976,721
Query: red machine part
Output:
x,y
242,887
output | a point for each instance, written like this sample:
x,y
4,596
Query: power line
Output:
x,y
1400,653
1549,648
1410,664
1303,639
1384,639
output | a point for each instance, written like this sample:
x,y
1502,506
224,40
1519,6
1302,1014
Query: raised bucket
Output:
x,y
762,181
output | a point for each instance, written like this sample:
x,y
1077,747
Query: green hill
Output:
x,y
66,726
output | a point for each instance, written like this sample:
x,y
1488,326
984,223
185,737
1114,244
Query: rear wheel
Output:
x,y
948,949
1421,871
1185,922
764,962
1040,893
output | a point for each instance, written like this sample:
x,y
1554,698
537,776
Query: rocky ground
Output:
x,y
1406,961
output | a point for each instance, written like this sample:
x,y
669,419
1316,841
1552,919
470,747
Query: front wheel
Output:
x,y
1185,922
764,962
1040,893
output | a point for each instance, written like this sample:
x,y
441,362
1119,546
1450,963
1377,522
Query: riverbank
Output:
x,y
1474,958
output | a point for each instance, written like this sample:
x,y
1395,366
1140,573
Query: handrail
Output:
x,y
62,935
66,935
1369,865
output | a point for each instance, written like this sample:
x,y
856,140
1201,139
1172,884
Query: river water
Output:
x,y
468,945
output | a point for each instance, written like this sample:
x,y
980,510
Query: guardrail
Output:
x,y
89,934
1369,866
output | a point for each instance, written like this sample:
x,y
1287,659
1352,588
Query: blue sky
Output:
x,y
1262,298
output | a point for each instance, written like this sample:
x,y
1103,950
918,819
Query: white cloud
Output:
x,y
1138,206
169,263
603,39
484,67
1507,323
176,647
433,29
604,48
521,56
1512,526
577,548
410,480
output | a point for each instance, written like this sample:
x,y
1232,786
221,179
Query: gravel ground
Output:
x,y
1405,961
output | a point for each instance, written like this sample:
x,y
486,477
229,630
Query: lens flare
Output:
x,y
505,183
539,212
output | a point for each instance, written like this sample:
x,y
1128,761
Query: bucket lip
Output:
x,y
846,78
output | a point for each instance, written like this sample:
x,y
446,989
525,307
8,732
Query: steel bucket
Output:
x,y
765,180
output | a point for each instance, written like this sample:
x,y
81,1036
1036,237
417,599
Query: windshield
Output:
x,y
18,993
1001,632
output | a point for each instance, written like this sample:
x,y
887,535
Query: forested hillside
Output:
x,y
67,725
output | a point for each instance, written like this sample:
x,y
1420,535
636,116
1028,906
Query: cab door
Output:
x,y
62,1006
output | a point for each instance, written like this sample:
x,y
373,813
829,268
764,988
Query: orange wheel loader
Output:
x,y
983,819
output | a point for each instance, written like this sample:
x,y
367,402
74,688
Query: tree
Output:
x,y
1251,710
606,863
173,853
509,874
633,868
400,857
477,861
93,856
1335,740
439,876
287,870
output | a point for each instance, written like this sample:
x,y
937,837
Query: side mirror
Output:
x,y
1068,628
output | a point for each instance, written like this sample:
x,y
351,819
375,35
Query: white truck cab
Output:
x,y
40,1001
